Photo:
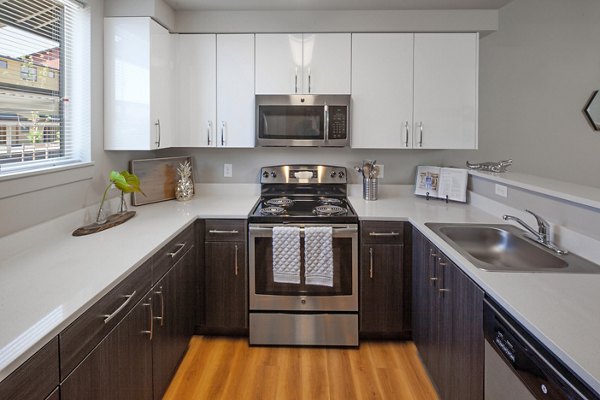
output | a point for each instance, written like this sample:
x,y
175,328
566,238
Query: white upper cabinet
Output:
x,y
303,63
382,90
138,68
196,90
215,90
446,85
235,90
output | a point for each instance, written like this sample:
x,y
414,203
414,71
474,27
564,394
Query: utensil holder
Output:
x,y
370,188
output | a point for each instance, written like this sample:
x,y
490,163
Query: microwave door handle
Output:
x,y
265,131
326,123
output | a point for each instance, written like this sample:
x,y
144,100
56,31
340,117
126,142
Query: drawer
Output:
x,y
36,378
225,230
373,232
167,256
79,338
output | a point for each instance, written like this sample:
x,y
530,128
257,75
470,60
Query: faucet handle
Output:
x,y
543,225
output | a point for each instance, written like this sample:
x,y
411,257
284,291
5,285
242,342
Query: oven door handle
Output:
x,y
335,229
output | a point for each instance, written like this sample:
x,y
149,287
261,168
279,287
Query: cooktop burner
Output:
x,y
328,210
272,210
280,202
330,200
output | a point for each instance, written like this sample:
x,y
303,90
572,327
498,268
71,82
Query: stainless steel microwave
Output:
x,y
299,120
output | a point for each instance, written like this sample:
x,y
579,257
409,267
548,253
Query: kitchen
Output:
x,y
536,73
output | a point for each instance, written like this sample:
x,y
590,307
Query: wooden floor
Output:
x,y
227,368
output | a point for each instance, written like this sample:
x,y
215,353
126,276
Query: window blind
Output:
x,y
44,84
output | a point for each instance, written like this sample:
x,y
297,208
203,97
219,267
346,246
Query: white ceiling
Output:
x,y
261,5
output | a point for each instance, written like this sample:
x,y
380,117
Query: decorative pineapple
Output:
x,y
185,186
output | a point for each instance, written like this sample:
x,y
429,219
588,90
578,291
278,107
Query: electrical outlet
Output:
x,y
501,190
379,170
227,170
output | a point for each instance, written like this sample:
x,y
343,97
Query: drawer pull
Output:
x,y
236,261
371,262
150,332
384,234
162,306
174,254
128,297
218,232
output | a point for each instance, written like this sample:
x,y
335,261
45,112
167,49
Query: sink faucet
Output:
x,y
542,235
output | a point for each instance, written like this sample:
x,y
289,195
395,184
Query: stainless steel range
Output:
x,y
302,312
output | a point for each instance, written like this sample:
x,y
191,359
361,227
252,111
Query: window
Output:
x,y
44,84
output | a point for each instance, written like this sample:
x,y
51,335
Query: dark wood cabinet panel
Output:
x,y
55,395
120,367
225,230
447,322
381,283
79,338
36,378
173,303
166,257
225,291
383,232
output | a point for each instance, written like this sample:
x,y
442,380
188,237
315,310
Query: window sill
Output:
x,y
31,181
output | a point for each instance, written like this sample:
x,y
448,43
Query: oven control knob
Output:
x,y
333,174
265,174
341,174
303,300
273,174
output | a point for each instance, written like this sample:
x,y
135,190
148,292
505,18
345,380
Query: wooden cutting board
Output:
x,y
158,178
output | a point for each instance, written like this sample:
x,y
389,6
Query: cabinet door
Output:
x,y
326,63
235,90
382,90
196,90
381,283
278,63
120,367
446,85
161,81
420,293
174,307
127,84
225,286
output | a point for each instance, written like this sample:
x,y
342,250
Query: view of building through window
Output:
x,y
31,84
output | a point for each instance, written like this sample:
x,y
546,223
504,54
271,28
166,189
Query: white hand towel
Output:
x,y
286,254
318,254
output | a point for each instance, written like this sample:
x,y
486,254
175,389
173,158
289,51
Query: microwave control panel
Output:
x,y
338,122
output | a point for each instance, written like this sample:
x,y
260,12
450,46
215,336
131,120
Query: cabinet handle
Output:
x,y
442,291
384,234
406,133
162,306
371,262
209,134
421,134
181,246
236,260
219,232
223,139
432,254
128,297
150,332
157,125
309,80
296,81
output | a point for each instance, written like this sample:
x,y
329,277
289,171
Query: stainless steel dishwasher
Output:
x,y
518,367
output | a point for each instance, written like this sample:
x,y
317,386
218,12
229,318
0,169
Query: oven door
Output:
x,y
265,294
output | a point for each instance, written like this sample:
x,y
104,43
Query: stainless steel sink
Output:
x,y
506,248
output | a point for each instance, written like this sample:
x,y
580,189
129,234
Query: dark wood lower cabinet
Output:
x,y
120,367
173,303
447,322
225,292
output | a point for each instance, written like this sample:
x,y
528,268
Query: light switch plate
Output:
x,y
502,190
227,170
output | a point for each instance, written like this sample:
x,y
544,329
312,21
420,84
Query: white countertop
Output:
x,y
46,286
